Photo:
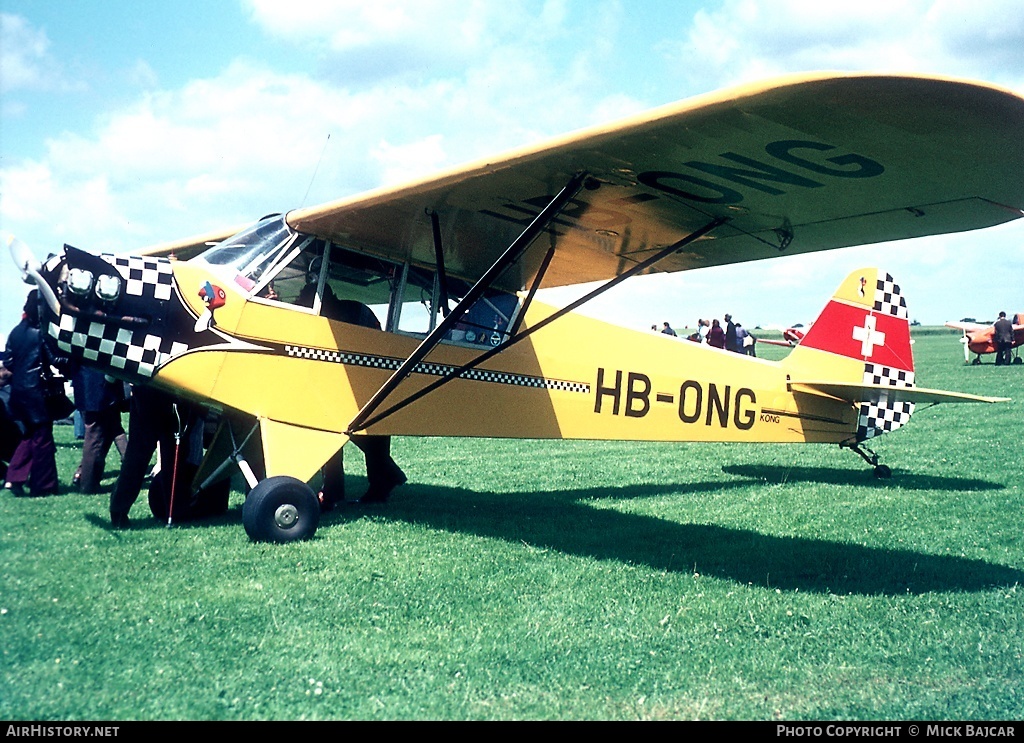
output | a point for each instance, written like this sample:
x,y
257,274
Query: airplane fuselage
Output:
x,y
577,378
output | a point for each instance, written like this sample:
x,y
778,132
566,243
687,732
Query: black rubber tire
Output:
x,y
882,472
281,509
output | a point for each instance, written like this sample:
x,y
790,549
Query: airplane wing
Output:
x,y
974,327
968,327
858,393
798,164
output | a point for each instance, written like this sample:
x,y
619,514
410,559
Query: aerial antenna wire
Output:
x,y
310,186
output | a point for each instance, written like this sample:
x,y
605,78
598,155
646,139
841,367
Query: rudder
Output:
x,y
862,336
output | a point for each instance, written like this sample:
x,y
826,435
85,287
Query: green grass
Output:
x,y
556,580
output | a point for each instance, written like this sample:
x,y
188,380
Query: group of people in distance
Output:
x,y
732,337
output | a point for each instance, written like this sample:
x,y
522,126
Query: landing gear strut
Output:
x,y
881,471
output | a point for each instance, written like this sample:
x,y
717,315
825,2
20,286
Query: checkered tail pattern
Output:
x,y
885,416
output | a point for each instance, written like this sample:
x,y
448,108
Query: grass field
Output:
x,y
556,580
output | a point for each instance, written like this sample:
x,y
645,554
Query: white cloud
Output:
x,y
228,148
404,162
744,40
24,61
442,26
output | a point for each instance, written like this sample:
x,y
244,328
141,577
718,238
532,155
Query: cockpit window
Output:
x,y
253,250
272,262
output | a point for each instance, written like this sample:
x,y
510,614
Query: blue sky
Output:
x,y
124,124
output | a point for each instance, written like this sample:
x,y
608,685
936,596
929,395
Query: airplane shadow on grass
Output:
x,y
564,521
779,474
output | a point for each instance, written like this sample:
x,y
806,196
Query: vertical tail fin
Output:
x,y
862,336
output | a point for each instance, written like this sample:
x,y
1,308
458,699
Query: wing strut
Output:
x,y
512,254
442,277
638,268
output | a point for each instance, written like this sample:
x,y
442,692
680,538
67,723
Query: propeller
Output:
x,y
30,267
23,258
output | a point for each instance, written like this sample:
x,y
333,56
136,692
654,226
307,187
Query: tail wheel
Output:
x,y
281,509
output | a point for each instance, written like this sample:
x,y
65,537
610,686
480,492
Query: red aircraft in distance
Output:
x,y
977,337
790,337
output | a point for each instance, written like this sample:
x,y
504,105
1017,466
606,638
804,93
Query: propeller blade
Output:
x,y
30,267
23,258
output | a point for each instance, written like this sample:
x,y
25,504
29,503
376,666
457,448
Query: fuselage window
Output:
x,y
486,323
273,263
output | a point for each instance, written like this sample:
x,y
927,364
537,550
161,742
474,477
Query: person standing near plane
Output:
x,y
1003,338
34,462
382,472
160,422
667,330
716,336
730,335
100,401
10,431
150,419
744,341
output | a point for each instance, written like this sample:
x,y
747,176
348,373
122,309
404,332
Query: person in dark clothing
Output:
x,y
716,336
27,356
730,335
10,431
382,472
1003,338
157,419
100,401
150,412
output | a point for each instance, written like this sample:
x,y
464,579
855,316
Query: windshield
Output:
x,y
253,250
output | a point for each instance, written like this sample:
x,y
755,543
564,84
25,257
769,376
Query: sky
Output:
x,y
124,124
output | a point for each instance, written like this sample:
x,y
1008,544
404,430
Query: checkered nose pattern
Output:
x,y
126,349
144,277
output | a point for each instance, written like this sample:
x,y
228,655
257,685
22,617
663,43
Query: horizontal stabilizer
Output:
x,y
873,393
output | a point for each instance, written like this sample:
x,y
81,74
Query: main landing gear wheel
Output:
x,y
281,509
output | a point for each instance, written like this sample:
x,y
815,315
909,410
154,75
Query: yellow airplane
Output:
x,y
270,326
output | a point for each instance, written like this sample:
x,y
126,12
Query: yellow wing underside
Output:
x,y
798,164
